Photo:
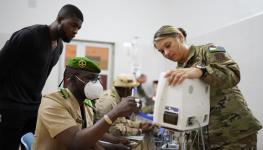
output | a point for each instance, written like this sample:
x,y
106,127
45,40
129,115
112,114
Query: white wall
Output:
x,y
243,41
119,21
3,38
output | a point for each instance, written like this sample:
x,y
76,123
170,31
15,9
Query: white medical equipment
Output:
x,y
183,107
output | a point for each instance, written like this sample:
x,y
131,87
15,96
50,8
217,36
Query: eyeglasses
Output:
x,y
95,79
88,79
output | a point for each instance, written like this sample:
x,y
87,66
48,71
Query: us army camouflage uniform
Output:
x,y
121,126
231,125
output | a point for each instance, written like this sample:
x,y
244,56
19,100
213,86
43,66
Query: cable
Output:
x,y
202,136
198,140
208,138
191,147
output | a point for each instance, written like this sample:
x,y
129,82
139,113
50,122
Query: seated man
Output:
x,y
65,121
122,87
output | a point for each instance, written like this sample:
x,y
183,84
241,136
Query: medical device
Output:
x,y
184,106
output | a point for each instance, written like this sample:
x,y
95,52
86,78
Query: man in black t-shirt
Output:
x,y
26,61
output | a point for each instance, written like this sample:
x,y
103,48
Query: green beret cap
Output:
x,y
83,63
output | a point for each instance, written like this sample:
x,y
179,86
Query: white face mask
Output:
x,y
93,90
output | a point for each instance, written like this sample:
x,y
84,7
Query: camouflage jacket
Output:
x,y
230,117
121,126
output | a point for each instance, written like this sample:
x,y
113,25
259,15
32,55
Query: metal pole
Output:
x,y
182,141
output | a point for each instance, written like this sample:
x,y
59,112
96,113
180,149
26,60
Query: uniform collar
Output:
x,y
74,100
191,53
89,116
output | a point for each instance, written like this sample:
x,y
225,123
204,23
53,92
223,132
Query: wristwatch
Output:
x,y
203,69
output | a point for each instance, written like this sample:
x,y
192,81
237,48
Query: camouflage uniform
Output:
x,y
231,121
121,126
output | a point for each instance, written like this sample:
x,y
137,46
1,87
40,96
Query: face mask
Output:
x,y
93,90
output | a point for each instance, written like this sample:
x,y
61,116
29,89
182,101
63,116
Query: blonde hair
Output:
x,y
166,31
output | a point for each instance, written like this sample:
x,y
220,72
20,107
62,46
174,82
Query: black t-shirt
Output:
x,y
26,61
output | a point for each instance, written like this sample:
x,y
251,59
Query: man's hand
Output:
x,y
123,140
146,127
114,139
126,107
119,147
177,76
111,146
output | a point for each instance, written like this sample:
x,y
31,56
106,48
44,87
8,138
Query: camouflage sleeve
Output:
x,y
103,106
127,122
134,124
120,129
222,71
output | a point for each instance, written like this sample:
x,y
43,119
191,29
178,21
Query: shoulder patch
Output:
x,y
64,93
88,102
113,95
217,49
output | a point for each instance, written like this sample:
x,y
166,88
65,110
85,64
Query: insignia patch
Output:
x,y
212,48
64,93
88,102
222,49
82,63
219,56
113,95
217,49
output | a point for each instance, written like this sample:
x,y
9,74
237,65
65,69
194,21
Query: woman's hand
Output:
x,y
177,76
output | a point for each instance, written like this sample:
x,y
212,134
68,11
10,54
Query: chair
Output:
x,y
27,140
